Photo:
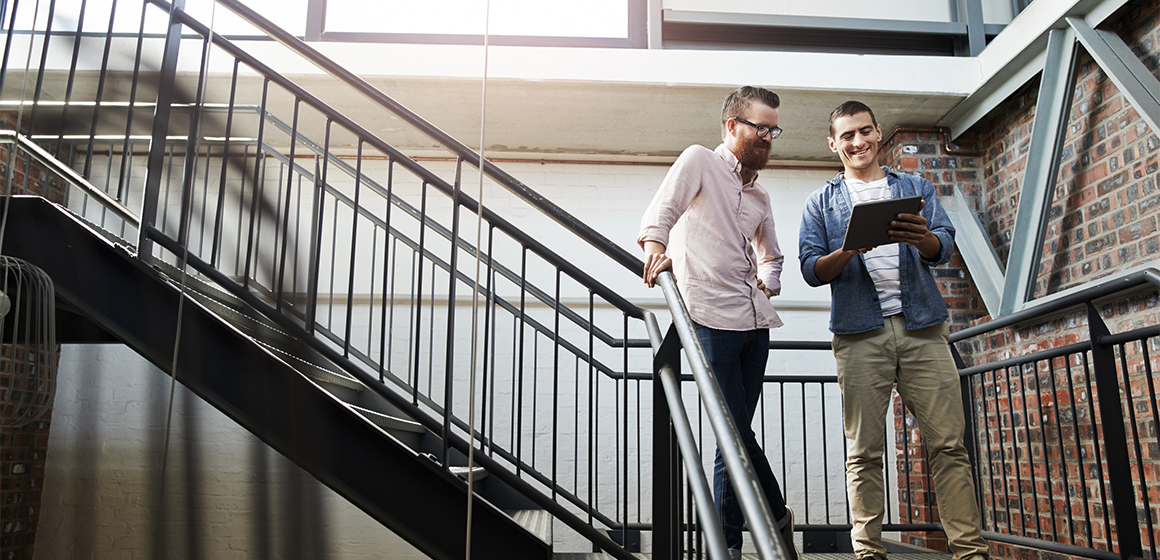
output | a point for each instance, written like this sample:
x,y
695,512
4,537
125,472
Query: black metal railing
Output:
x,y
361,251
1065,439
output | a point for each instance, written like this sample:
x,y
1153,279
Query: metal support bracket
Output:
x,y
1131,77
1035,196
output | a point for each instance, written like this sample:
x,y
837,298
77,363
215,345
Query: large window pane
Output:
x,y
539,18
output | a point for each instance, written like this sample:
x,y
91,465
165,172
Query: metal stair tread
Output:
x,y
388,422
537,521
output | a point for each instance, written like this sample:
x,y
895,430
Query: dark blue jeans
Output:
x,y
738,359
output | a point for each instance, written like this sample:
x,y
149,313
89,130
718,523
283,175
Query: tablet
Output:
x,y
870,222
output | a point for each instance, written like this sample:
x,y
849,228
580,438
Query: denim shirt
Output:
x,y
854,299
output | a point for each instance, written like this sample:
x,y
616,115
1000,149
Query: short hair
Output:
x,y
849,109
739,101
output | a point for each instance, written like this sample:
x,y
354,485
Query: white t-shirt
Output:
x,y
882,261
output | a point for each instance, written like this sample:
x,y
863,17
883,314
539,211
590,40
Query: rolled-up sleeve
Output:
x,y
671,200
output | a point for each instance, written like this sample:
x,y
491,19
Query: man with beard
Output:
x,y
716,224
890,328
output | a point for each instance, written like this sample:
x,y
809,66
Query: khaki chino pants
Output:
x,y
921,361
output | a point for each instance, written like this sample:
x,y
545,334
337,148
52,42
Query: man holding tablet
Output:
x,y
890,326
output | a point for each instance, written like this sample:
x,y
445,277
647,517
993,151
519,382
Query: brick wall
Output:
x,y
23,449
1102,221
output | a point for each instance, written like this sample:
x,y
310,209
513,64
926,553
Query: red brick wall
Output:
x,y
22,449
1103,221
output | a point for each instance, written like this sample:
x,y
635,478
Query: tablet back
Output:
x,y
870,222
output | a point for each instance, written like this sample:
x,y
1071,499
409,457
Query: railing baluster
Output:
x,y
622,458
385,360
100,88
489,340
204,198
165,85
278,286
388,265
452,280
371,273
418,319
1029,458
592,418
805,456
44,62
192,152
519,392
317,215
415,301
1149,382
8,46
259,178
1101,480
556,384
1079,455
127,146
72,73
1015,450
221,196
1039,417
825,456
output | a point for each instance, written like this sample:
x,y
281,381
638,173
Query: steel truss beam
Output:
x,y
1051,111
1055,65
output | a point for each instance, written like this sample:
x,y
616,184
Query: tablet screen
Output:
x,y
870,222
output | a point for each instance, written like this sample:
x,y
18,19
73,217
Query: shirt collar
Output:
x,y
839,177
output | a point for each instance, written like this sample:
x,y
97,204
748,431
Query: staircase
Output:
x,y
321,285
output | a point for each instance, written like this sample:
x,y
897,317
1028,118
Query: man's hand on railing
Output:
x,y
655,262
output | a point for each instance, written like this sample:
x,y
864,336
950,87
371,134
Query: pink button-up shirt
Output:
x,y
721,238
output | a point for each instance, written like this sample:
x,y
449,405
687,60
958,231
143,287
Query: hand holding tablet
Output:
x,y
869,224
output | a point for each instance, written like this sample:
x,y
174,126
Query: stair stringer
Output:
x,y
425,504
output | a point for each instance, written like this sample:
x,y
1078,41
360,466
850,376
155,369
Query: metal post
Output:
x,y
666,478
971,432
1115,439
156,168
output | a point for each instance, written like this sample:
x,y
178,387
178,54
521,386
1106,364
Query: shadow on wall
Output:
x,y
117,483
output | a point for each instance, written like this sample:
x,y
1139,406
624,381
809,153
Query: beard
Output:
x,y
754,154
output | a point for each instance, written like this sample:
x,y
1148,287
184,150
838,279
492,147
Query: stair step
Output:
x,y
461,472
536,521
388,422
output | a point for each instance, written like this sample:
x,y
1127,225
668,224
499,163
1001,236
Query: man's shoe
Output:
x,y
785,527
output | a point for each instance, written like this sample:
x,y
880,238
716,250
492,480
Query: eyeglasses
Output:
x,y
762,130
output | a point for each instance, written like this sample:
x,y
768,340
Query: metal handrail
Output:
x,y
1075,299
698,481
753,503
44,158
561,216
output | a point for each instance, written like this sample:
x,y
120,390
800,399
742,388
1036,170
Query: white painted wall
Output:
x,y
226,494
